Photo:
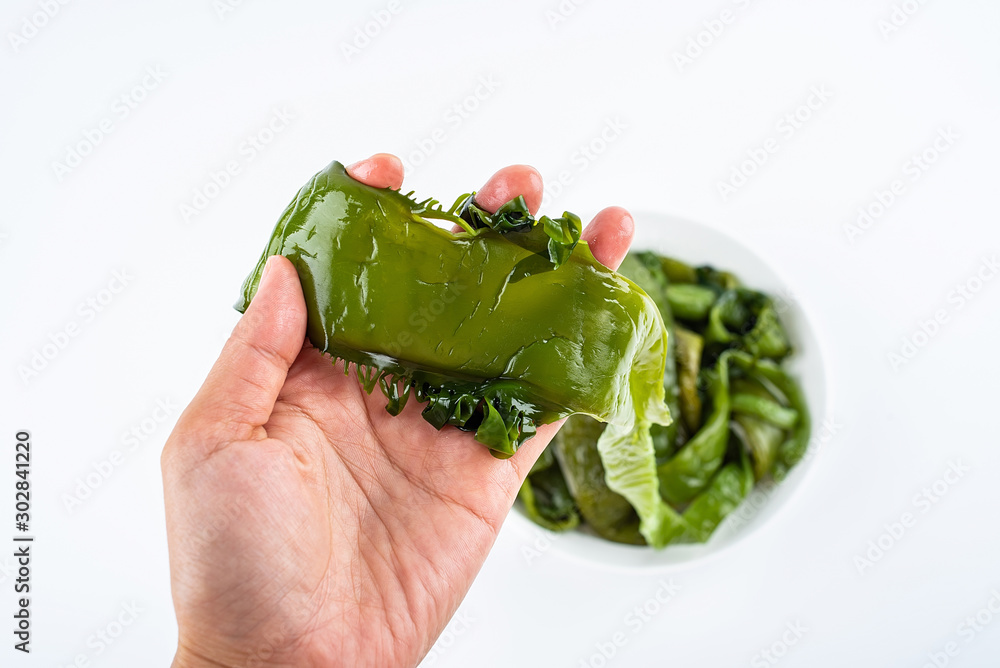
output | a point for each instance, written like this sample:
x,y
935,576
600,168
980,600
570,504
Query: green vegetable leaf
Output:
x,y
564,234
765,409
691,469
630,470
644,270
677,271
724,494
691,302
746,320
513,216
794,446
689,349
762,440
606,512
547,499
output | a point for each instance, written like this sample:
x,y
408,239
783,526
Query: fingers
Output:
x,y
507,184
609,235
238,396
382,170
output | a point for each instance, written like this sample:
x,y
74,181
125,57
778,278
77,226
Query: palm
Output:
x,y
348,509
306,525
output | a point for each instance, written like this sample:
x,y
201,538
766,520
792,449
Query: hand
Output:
x,y
308,527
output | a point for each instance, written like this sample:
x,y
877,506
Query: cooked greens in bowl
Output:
x,y
739,417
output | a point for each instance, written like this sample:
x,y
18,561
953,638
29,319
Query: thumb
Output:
x,y
238,396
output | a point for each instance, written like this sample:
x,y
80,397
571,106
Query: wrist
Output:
x,y
190,655
187,658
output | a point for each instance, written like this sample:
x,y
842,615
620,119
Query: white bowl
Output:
x,y
698,244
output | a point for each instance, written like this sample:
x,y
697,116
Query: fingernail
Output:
x,y
359,169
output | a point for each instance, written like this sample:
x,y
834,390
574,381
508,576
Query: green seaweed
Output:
x,y
743,419
505,325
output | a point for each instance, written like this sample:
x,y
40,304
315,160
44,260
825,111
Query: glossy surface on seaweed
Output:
x,y
500,327
740,417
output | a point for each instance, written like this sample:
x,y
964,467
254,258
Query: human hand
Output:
x,y
307,526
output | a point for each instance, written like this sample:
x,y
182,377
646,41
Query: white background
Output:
x,y
556,86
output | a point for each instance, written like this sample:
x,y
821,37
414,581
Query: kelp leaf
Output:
x,y
794,446
689,350
690,301
676,270
724,494
547,500
513,216
489,341
765,409
606,512
746,320
564,234
762,440
645,270
630,470
493,432
397,399
690,470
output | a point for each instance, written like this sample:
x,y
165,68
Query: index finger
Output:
x,y
507,183
382,170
